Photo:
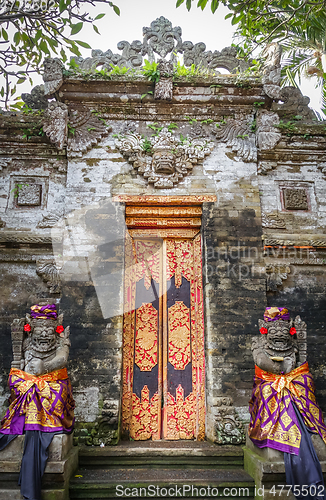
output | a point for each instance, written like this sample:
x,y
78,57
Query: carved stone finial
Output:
x,y
52,76
272,70
48,271
36,99
163,160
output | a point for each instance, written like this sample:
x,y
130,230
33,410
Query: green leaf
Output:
x,y
179,2
214,5
83,44
188,4
76,28
4,34
99,16
95,28
21,80
62,6
116,10
228,15
17,37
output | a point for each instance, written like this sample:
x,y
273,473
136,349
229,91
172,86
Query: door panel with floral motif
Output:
x,y
163,349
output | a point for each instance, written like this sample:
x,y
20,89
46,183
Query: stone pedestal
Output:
x,y
62,463
266,467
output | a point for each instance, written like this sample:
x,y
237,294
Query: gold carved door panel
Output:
x,y
163,345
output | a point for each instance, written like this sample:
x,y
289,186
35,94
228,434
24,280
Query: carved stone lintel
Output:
x,y
36,99
267,135
49,220
236,133
276,274
52,76
163,160
48,271
55,123
228,428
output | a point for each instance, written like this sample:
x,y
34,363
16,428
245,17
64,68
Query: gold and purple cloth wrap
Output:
x,y
273,421
42,403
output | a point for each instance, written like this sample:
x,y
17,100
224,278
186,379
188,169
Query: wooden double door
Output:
x,y
163,339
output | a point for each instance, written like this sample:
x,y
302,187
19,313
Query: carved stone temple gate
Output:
x,y
163,334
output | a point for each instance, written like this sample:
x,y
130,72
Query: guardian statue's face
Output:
x,y
278,334
44,335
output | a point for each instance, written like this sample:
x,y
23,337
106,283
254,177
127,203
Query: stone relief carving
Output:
x,y
237,134
267,135
36,99
272,70
294,104
52,75
49,220
294,240
278,351
273,221
4,162
55,123
162,39
164,87
321,165
29,195
85,129
295,199
228,428
266,166
275,275
2,223
48,271
164,159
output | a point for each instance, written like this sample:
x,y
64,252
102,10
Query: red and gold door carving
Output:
x,y
163,344
163,364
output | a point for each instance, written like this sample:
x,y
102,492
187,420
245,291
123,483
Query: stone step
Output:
x,y
162,455
156,483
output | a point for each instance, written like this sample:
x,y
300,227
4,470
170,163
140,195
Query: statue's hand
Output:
x,y
36,367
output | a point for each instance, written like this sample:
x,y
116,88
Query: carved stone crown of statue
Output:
x,y
40,343
282,345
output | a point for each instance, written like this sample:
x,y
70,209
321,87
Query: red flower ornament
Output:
x,y
293,331
27,328
263,331
59,329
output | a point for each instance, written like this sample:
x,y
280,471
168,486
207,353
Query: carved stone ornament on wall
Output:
x,y
275,275
73,127
164,159
273,221
228,428
36,99
164,87
295,199
53,75
238,136
49,220
4,162
162,39
48,271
